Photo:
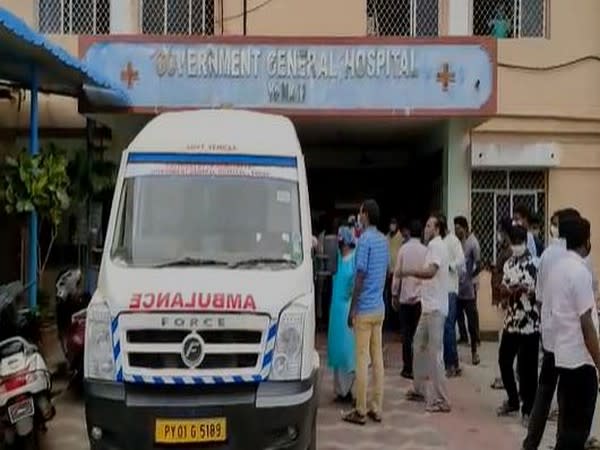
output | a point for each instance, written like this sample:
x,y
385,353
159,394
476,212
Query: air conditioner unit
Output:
x,y
513,155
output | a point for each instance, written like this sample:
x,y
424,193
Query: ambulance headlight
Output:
x,y
287,356
99,363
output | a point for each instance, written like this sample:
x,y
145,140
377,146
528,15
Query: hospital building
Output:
x,y
466,106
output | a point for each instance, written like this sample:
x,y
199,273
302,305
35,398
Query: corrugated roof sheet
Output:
x,y
59,72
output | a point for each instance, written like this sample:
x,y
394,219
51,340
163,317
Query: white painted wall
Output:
x,y
457,169
122,17
459,17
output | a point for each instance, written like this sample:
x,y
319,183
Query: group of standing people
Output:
x,y
549,297
553,297
432,275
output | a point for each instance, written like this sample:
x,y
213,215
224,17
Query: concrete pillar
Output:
x,y
123,18
457,170
459,17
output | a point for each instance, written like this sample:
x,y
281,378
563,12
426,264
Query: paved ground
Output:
x,y
472,425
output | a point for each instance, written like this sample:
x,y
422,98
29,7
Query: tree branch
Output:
x,y
53,235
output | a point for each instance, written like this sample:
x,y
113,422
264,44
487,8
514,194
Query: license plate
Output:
x,y
190,431
21,410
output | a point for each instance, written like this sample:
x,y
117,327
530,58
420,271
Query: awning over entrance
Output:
x,y
30,61
29,58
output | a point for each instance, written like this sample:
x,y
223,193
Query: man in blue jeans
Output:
x,y
456,262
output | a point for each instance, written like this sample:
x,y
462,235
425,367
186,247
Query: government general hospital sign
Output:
x,y
405,78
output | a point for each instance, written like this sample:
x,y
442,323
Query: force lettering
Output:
x,y
197,301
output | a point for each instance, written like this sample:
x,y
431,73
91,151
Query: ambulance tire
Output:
x,y
313,434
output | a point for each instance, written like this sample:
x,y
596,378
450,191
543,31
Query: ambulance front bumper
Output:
x,y
268,415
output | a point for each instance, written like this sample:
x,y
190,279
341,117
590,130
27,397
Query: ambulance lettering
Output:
x,y
196,301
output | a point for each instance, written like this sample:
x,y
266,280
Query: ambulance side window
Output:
x,y
121,246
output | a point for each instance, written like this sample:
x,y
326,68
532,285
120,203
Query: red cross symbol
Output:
x,y
129,75
445,77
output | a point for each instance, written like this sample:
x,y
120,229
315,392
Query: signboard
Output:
x,y
402,78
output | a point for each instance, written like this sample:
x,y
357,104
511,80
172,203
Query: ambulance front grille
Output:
x,y
152,344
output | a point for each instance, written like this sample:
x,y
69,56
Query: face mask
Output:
x,y
518,250
554,231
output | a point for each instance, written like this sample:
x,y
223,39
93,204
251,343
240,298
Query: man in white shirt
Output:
x,y
456,263
428,343
575,335
544,293
406,294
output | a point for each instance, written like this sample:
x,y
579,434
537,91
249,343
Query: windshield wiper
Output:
x,y
189,261
257,261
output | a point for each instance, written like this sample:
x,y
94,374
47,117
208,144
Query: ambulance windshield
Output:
x,y
229,221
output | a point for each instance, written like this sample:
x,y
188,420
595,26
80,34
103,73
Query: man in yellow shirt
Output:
x,y
395,241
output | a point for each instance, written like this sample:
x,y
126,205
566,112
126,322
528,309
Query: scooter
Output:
x,y
71,307
25,384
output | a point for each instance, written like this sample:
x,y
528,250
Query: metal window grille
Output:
x,y
494,196
402,17
73,16
509,18
178,17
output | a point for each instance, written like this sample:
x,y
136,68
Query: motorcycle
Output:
x,y
71,307
25,381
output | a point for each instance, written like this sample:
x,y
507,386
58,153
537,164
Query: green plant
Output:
x,y
90,177
37,183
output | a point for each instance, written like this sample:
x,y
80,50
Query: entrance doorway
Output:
x,y
396,162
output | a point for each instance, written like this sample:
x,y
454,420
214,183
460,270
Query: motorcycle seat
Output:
x,y
11,348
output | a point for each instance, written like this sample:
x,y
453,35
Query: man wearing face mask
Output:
x,y
575,328
520,336
522,217
544,295
548,375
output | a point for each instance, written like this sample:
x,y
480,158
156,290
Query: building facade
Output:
x,y
504,91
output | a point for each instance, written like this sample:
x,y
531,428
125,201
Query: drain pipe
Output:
x,y
245,9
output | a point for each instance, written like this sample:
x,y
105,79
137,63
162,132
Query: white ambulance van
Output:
x,y
201,331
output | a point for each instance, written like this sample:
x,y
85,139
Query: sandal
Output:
x,y
497,384
507,410
453,372
414,396
354,417
438,407
374,416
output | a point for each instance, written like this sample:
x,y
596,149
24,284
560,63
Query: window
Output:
x,y
509,18
495,194
178,17
74,16
402,17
